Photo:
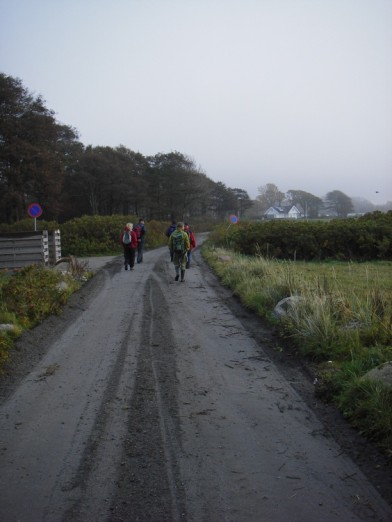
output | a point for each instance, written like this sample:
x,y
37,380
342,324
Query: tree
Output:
x,y
243,201
270,196
176,186
32,152
136,168
362,205
221,200
107,181
338,203
255,211
310,204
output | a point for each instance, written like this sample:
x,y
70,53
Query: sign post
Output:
x,y
34,210
233,220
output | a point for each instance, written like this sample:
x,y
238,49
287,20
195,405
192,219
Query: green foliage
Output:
x,y
27,225
34,293
368,406
364,239
27,298
6,344
100,235
93,235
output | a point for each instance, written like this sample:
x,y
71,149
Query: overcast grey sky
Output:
x,y
292,92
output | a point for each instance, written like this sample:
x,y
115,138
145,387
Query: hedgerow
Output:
x,y
93,235
368,238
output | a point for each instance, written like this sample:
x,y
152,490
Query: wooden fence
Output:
x,y
19,249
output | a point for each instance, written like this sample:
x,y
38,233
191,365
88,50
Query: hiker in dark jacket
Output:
x,y
128,240
140,230
179,246
169,232
171,229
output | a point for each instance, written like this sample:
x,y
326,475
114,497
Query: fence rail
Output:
x,y
19,249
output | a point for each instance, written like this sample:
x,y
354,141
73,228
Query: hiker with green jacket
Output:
x,y
179,245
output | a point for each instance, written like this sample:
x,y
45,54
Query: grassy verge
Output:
x,y
341,320
30,295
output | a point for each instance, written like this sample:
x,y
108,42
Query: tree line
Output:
x,y
43,161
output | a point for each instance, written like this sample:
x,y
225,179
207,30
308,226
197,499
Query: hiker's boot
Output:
x,y
182,276
177,276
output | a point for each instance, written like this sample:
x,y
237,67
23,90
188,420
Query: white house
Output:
x,y
294,213
291,212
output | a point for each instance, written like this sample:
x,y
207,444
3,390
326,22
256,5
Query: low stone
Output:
x,y
382,373
282,309
7,327
62,286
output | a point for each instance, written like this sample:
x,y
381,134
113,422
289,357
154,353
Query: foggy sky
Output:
x,y
292,92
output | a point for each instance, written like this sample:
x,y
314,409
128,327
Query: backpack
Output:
x,y
138,230
178,242
127,238
170,230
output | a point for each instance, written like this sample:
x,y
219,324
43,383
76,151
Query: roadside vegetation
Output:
x,y
338,317
27,297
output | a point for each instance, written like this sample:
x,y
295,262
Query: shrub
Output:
x,y
34,292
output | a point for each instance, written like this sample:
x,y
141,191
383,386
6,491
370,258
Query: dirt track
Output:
x,y
151,400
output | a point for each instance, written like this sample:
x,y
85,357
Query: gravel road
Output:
x,y
155,400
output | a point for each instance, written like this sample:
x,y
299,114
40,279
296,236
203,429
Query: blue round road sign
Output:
x,y
233,219
34,210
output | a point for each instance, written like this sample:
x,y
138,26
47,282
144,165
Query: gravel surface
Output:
x,y
155,400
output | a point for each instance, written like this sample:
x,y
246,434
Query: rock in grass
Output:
x,y
382,373
7,327
282,309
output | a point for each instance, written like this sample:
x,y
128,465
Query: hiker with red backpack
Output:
x,y
179,246
140,230
129,242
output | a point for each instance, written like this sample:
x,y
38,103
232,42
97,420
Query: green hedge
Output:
x,y
94,235
100,235
364,239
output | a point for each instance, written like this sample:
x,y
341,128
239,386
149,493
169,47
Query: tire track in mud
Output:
x,y
95,480
149,487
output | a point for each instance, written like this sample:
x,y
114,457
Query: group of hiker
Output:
x,y
181,243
